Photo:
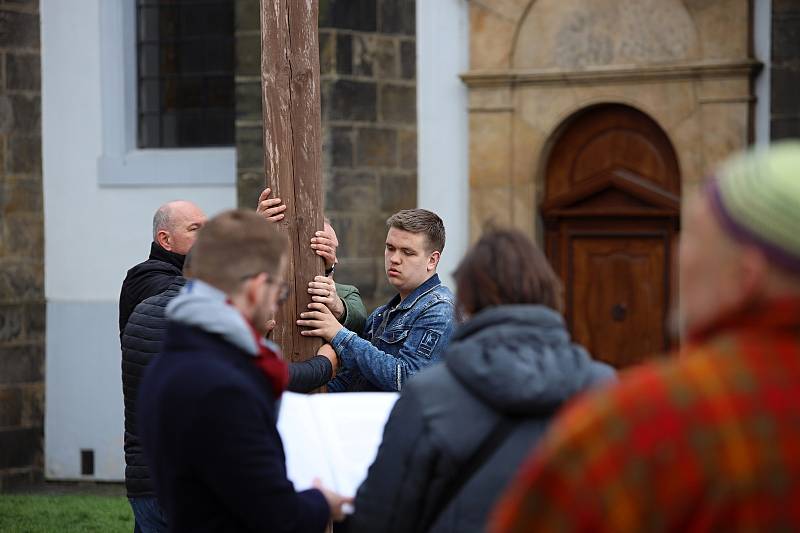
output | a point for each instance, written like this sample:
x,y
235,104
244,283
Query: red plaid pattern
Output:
x,y
706,441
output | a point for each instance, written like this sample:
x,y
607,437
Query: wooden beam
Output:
x,y
292,150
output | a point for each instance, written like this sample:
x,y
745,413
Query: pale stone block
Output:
x,y
489,205
489,149
525,208
487,98
721,90
725,130
575,34
528,146
513,10
545,108
490,39
723,27
688,143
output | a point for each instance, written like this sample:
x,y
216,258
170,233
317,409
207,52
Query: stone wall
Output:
x,y
22,310
368,71
785,82
533,66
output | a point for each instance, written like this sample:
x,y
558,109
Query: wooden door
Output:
x,y
619,294
611,217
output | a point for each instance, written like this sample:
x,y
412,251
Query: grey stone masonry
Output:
x,y
369,123
22,309
785,70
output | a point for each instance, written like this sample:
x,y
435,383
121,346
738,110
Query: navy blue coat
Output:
x,y
207,421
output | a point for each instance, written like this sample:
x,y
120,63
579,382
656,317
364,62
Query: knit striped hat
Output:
x,y
757,199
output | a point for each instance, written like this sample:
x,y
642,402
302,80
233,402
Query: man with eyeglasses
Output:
x,y
208,404
158,281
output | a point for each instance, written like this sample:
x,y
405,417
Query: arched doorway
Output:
x,y
611,213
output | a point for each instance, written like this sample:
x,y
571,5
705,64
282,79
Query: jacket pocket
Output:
x,y
393,336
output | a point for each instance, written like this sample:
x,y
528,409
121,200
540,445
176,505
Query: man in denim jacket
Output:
x,y
411,331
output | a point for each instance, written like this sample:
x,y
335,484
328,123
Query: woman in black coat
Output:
x,y
460,430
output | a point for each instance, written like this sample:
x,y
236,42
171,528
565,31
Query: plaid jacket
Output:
x,y
707,441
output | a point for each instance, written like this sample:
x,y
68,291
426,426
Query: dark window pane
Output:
x,y
186,63
149,130
148,24
149,96
149,61
220,92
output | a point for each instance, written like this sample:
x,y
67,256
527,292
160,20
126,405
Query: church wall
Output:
x,y
534,64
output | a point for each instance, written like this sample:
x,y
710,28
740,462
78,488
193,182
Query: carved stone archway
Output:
x,y
533,63
611,212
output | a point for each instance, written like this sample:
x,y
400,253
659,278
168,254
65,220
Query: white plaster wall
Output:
x,y
762,48
442,122
93,234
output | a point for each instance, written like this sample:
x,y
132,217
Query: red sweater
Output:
x,y
706,441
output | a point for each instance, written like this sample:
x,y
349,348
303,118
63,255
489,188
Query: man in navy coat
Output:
x,y
208,404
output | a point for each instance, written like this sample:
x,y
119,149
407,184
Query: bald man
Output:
x,y
175,226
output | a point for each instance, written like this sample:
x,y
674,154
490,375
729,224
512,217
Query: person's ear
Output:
x,y
254,289
753,273
163,239
433,260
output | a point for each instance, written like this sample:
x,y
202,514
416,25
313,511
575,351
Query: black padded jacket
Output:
x,y
147,279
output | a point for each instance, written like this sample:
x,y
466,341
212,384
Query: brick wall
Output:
x,y
367,64
22,310
785,82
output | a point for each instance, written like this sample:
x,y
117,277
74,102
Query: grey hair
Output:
x,y
162,220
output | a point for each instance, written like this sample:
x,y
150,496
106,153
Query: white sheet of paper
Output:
x,y
334,437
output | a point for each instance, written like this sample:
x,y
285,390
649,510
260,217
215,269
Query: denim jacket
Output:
x,y
399,340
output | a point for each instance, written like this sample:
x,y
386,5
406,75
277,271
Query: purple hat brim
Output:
x,y
745,235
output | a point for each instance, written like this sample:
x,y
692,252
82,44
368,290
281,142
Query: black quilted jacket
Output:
x,y
141,342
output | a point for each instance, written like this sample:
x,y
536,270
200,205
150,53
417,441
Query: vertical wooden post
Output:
x,y
292,149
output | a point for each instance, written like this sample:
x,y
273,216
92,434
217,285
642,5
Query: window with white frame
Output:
x,y
184,98
185,69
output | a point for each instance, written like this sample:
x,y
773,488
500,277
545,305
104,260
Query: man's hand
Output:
x,y
321,321
268,327
270,208
324,243
336,502
323,290
329,353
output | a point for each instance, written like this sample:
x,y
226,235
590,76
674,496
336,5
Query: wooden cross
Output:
x,y
292,150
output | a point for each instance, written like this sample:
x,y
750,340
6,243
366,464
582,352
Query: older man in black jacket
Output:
x,y
208,405
175,226
141,341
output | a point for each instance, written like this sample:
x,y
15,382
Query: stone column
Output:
x,y
22,309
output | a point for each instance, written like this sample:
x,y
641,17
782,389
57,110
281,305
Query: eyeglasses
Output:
x,y
283,287
283,290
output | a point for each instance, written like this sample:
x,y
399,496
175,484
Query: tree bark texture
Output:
x,y
292,150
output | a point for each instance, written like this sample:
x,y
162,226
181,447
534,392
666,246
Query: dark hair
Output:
x,y
506,267
236,244
420,221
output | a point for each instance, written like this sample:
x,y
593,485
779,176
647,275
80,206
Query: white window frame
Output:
x,y
762,41
121,162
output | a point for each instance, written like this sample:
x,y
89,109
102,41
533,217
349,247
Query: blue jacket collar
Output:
x,y
416,294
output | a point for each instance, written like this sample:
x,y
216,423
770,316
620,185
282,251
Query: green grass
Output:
x,y
64,514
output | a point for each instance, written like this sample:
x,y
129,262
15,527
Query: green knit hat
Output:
x,y
757,199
